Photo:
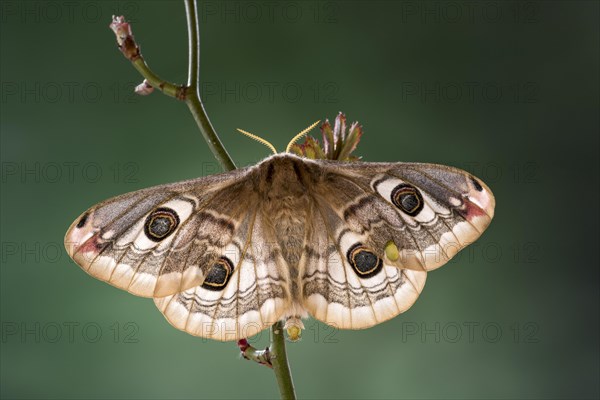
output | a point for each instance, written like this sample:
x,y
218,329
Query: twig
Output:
x,y
263,357
189,93
192,98
131,51
275,356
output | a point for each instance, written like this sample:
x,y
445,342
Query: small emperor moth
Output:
x,y
228,255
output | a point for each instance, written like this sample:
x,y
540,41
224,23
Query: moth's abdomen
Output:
x,y
288,217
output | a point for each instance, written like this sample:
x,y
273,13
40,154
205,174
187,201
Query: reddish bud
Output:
x,y
338,143
144,88
125,39
243,345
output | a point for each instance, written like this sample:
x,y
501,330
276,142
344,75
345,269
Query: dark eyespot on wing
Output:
x,y
364,262
408,199
161,223
219,275
409,202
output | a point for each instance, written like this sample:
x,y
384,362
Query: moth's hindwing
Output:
x,y
241,299
346,282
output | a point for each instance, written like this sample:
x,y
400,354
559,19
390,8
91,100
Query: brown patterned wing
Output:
x,y
344,283
246,292
428,212
162,240
377,228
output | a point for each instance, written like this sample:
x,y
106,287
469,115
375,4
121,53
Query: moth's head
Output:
x,y
283,173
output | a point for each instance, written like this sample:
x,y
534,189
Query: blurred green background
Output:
x,y
506,90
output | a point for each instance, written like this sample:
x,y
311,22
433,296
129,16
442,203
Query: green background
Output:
x,y
506,90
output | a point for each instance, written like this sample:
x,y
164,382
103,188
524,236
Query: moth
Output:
x,y
228,255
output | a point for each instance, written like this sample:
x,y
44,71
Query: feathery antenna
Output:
x,y
270,146
259,139
298,136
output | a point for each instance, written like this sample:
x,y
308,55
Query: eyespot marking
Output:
x,y
364,262
218,276
161,223
83,220
408,199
